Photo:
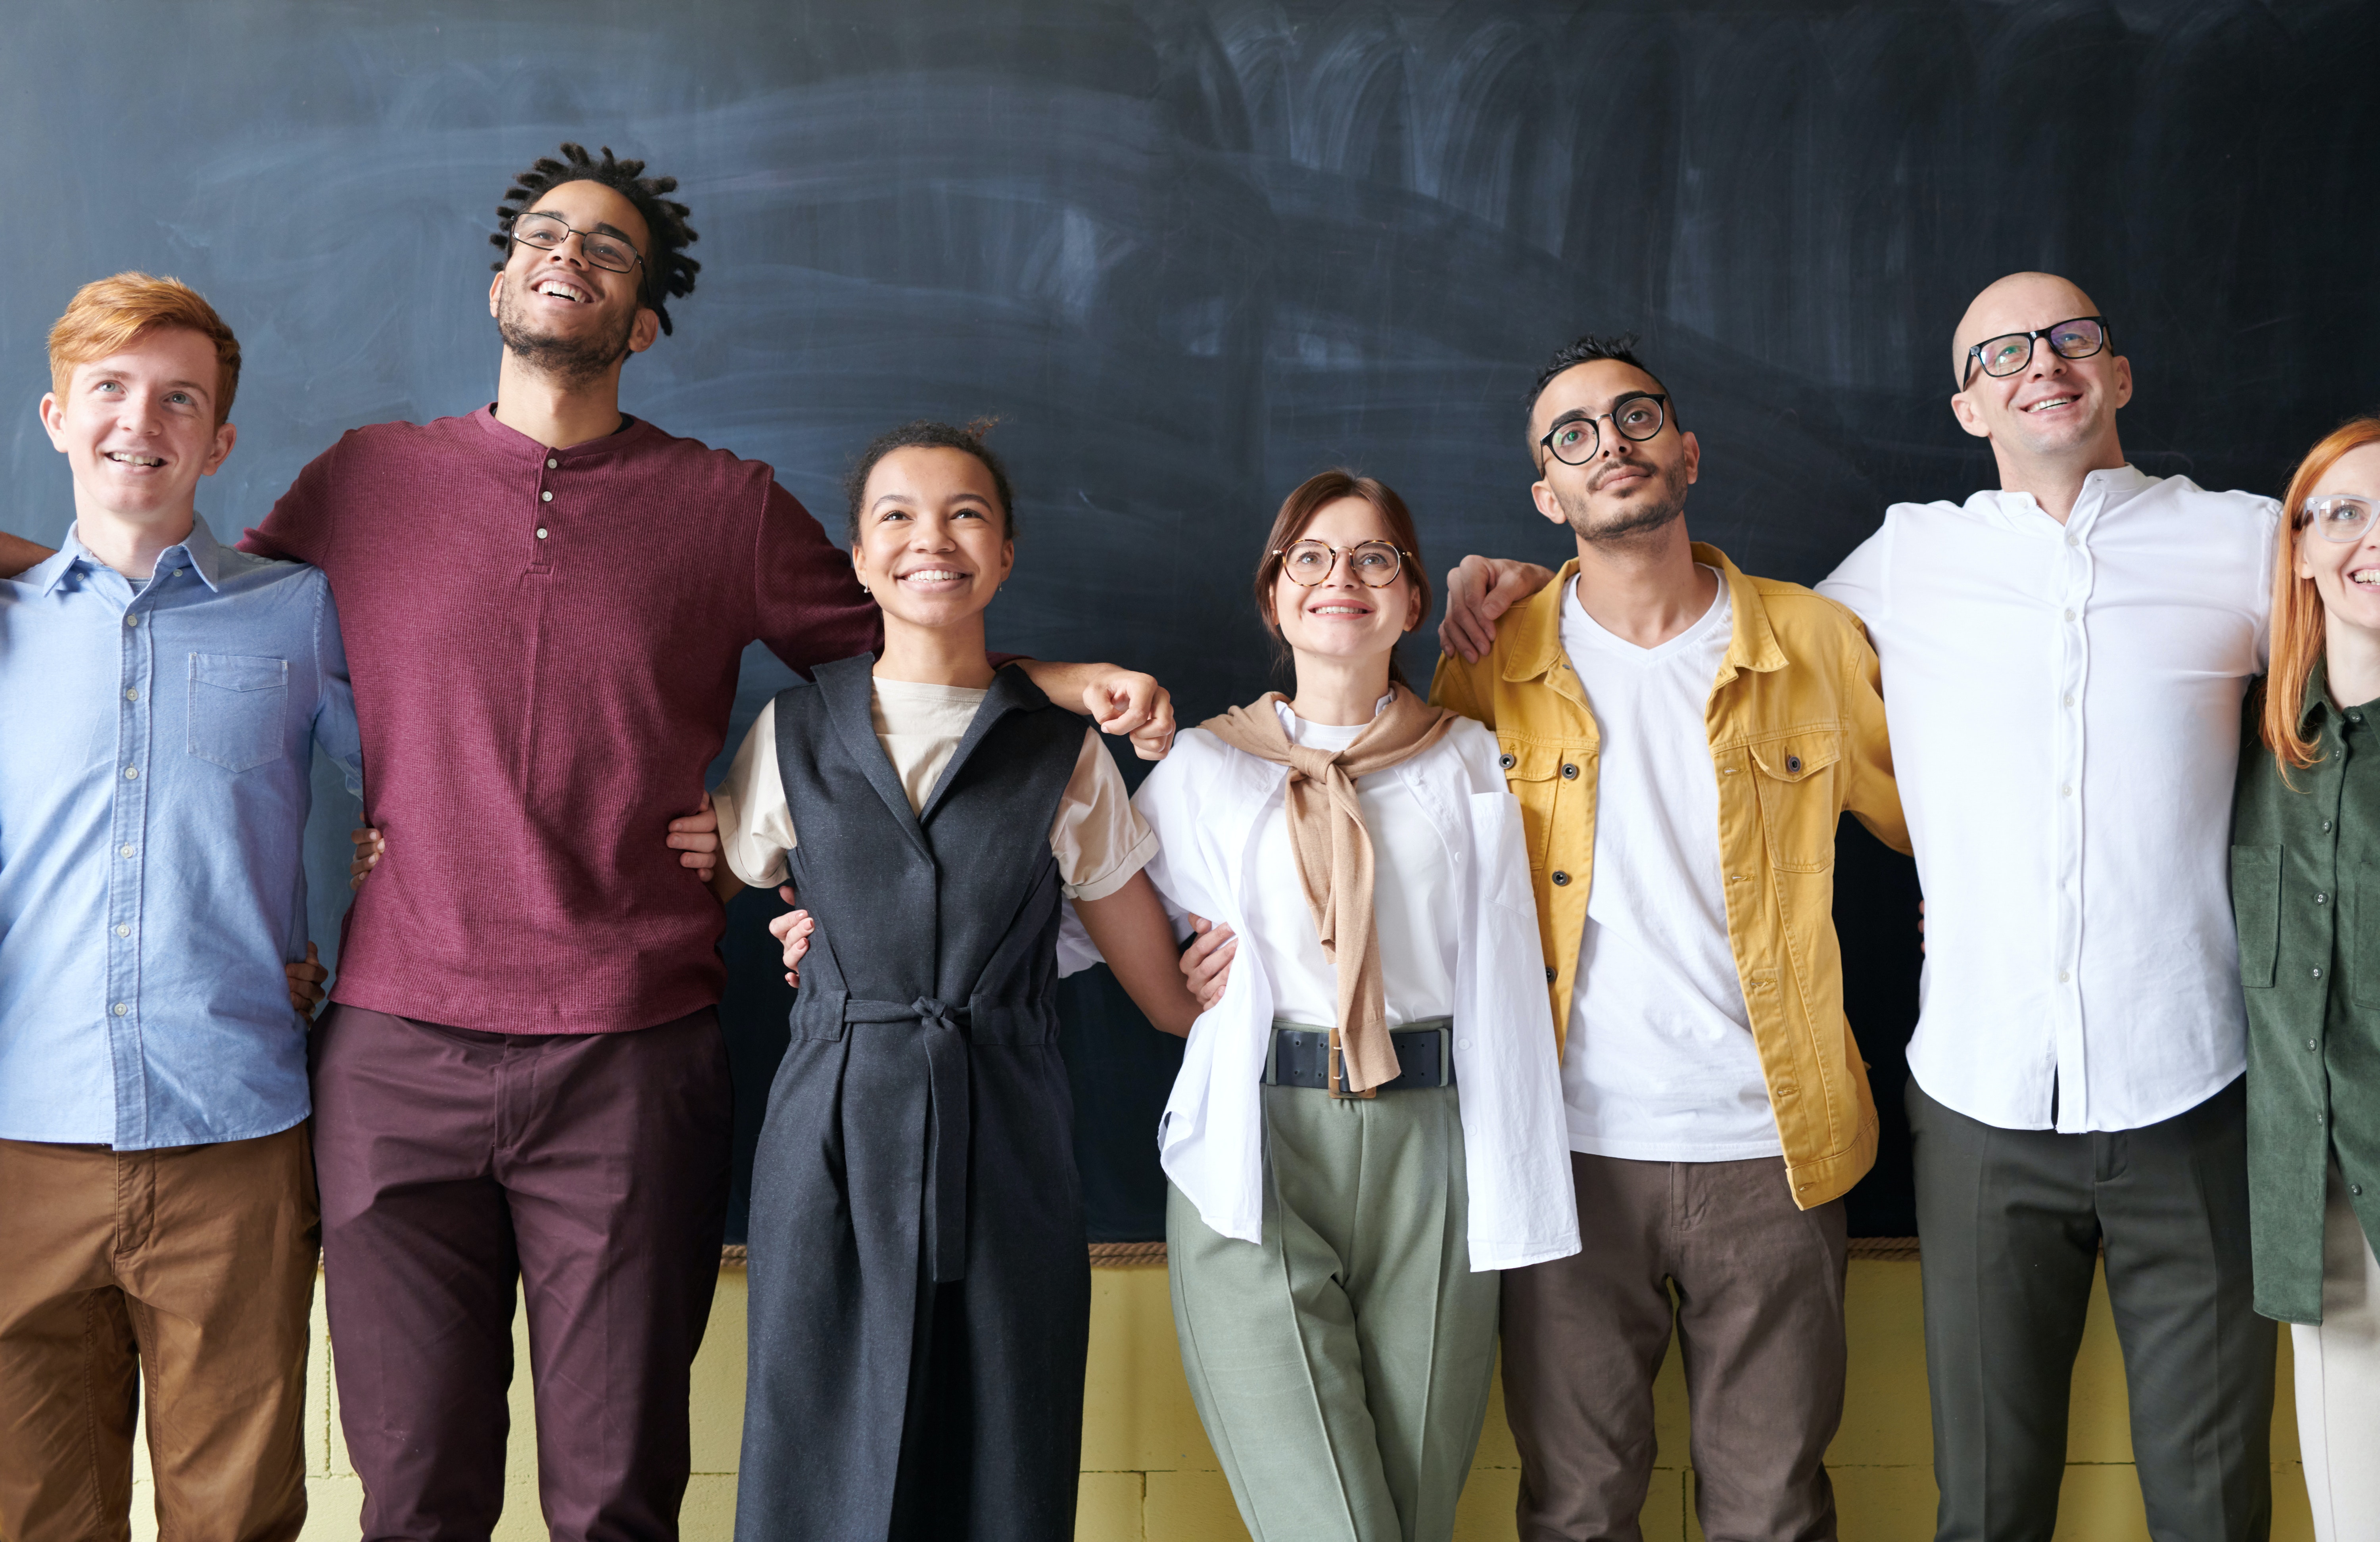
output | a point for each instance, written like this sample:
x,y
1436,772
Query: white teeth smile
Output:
x,y
2369,578
560,290
130,457
931,575
2054,401
1338,610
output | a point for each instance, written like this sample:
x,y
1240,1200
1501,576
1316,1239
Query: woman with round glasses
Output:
x,y
2305,888
1368,1121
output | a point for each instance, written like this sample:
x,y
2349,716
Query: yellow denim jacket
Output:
x,y
1797,739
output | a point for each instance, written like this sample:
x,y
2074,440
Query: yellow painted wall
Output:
x,y
1148,1475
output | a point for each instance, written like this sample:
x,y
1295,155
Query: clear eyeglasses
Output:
x,y
2342,518
2011,351
1375,563
1573,441
547,232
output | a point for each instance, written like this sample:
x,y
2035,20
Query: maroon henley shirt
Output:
x,y
544,646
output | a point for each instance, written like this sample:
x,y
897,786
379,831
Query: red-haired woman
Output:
x,y
2305,886
1369,1122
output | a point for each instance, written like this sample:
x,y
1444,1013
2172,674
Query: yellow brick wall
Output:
x,y
1149,1476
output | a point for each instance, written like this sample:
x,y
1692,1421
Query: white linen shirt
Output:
x,y
1208,801
2065,710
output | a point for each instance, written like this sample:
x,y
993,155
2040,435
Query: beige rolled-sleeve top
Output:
x,y
1098,838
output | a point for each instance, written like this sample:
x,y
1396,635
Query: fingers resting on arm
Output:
x,y
793,931
306,979
1478,591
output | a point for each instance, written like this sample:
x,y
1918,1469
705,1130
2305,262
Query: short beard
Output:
x,y
1649,518
570,362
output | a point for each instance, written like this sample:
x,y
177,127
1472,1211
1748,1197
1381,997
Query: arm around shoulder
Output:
x,y
16,554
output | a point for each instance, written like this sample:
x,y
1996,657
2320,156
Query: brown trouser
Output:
x,y
1759,1316
588,1171
190,1268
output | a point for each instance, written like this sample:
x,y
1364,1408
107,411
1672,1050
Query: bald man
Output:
x,y
2064,660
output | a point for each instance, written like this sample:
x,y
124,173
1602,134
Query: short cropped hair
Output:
x,y
924,433
107,315
1620,348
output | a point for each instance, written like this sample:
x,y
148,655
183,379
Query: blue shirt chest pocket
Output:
x,y
238,704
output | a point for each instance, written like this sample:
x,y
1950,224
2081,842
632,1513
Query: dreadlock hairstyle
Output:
x,y
668,269
927,434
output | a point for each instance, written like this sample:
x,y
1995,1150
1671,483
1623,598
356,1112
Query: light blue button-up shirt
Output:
x,y
156,748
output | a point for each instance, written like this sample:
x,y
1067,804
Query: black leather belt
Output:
x,y
1300,1056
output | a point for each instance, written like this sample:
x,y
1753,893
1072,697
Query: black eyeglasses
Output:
x,y
1374,563
1573,441
2011,352
547,232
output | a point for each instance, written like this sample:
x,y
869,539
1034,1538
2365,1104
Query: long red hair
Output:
x,y
2297,626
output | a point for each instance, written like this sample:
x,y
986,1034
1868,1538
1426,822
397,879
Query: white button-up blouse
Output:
x,y
1208,803
2065,709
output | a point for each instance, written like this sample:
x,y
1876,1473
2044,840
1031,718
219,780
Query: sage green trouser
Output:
x,y
1341,1364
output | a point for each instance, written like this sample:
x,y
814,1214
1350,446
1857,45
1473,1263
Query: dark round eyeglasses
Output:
x,y
547,232
1375,563
1573,441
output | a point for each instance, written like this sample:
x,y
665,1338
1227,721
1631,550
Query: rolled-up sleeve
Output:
x,y
756,824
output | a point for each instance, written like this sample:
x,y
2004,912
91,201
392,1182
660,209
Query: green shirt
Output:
x,y
2305,888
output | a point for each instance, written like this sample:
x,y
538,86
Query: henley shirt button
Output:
x,y
121,1008
1560,879
1569,774
545,497
541,533
123,932
551,463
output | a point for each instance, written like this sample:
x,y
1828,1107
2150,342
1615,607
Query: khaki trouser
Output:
x,y
1341,1364
190,1270
1758,1313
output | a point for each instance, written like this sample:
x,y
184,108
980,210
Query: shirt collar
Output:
x,y
2116,485
1536,621
199,549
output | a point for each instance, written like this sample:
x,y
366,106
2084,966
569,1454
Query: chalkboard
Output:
x,y
1191,252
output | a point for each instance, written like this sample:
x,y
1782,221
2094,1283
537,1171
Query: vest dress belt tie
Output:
x,y
947,1144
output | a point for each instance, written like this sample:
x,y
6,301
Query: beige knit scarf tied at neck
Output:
x,y
1333,853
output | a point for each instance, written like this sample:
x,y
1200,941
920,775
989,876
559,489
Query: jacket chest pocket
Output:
x,y
1538,774
238,702
1795,778
2257,911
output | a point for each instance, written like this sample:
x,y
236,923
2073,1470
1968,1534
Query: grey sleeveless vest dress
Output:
x,y
920,1290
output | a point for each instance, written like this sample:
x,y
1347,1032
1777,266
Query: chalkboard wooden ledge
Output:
x,y
1151,1254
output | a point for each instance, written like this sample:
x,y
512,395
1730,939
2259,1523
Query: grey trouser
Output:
x,y
1759,1315
1341,1364
2012,1222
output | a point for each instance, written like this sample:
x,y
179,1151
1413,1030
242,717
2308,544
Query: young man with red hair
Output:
x,y
166,695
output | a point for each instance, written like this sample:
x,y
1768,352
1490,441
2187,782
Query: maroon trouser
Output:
x,y
589,1167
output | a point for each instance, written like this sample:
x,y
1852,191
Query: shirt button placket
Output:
x,y
136,702
2074,675
540,535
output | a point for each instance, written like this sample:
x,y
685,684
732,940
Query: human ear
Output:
x,y
495,287
1542,494
1969,417
53,420
645,331
2123,380
1694,454
226,437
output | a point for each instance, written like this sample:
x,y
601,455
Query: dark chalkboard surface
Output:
x,y
1192,252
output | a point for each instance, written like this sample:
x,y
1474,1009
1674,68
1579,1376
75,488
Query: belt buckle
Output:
x,y
1338,1087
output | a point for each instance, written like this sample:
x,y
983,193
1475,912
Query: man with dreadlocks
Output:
x,y
522,1075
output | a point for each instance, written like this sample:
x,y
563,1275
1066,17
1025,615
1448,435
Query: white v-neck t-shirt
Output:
x,y
1415,898
1658,1063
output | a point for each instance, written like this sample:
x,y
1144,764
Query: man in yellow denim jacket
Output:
x,y
1683,741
